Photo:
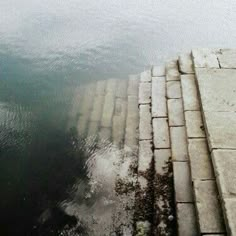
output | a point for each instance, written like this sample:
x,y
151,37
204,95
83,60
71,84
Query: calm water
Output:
x,y
47,49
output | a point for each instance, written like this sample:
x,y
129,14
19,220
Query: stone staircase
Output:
x,y
176,125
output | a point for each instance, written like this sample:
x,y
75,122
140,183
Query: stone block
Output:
x,y
145,155
144,93
227,58
158,71
175,112
182,182
178,144
133,85
172,71
189,93
105,133
205,58
108,109
161,157
217,89
221,127
186,64
186,219
174,89
224,162
111,86
161,133
145,122
93,128
132,107
121,91
159,97
208,207
230,215
101,87
97,108
146,76
194,124
200,161
118,130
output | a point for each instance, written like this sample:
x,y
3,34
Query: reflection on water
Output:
x,y
54,155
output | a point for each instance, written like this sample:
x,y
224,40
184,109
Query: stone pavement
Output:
x,y
176,125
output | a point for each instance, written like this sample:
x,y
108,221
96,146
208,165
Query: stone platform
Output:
x,y
176,125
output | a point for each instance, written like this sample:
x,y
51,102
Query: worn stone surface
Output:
x,y
225,165
230,215
186,64
175,112
200,160
101,87
174,89
93,128
172,71
145,122
133,85
161,157
146,76
97,108
111,86
121,91
227,58
144,93
145,155
108,109
161,133
221,128
186,219
205,58
182,182
189,93
208,207
178,144
159,97
217,89
105,133
194,124
158,71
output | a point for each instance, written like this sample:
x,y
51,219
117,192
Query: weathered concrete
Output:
x,y
172,72
178,144
186,218
145,122
205,58
189,92
173,89
200,160
161,133
175,112
194,124
182,182
159,108
144,93
186,64
227,58
208,211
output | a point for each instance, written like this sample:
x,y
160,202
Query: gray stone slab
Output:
x,y
208,207
101,87
108,109
217,89
121,91
224,162
221,127
144,93
105,133
161,133
182,182
227,58
186,219
111,86
173,89
172,71
186,64
97,108
145,155
161,157
159,108
133,85
194,124
146,76
145,122
175,112
205,58
230,215
93,128
178,144
189,93
132,106
158,71
200,162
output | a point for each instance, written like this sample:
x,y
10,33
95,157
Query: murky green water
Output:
x,y
50,48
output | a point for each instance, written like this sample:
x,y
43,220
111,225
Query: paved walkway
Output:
x,y
177,126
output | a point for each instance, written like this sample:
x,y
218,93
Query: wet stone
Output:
x,y
144,93
173,89
133,85
108,109
146,76
121,91
145,126
162,157
97,108
158,71
175,112
101,87
145,155
186,64
208,207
